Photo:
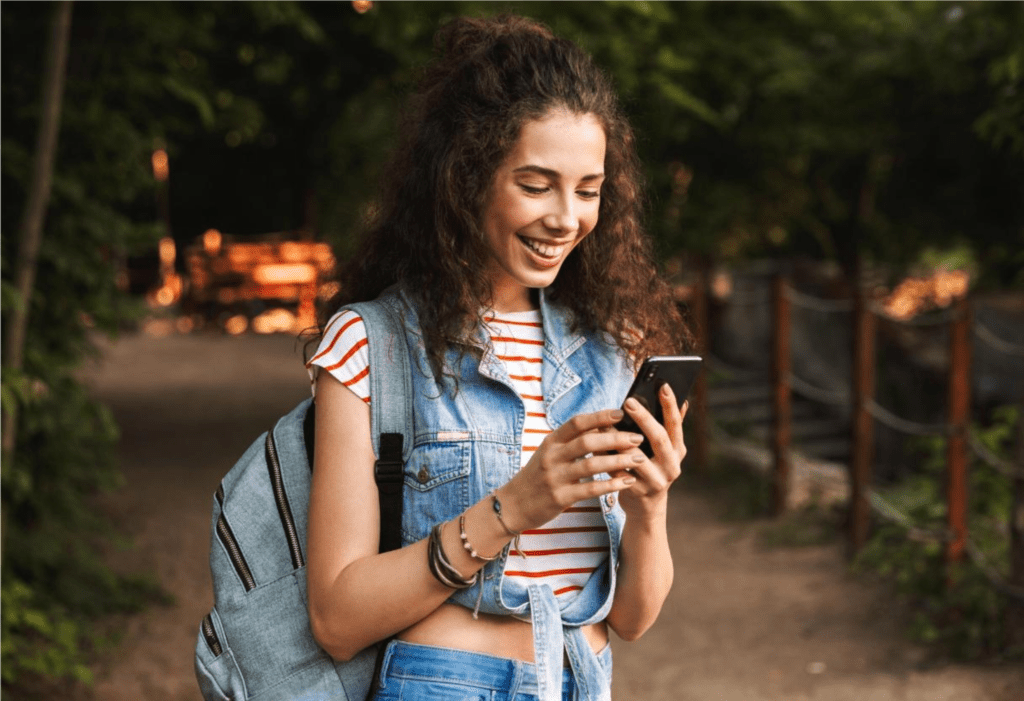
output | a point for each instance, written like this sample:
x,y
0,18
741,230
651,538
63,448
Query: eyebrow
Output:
x,y
554,174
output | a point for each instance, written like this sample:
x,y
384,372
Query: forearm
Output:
x,y
377,596
644,577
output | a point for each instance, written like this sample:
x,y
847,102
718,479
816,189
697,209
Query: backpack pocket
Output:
x,y
268,631
216,671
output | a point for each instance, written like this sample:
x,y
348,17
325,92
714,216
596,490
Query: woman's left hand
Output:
x,y
648,497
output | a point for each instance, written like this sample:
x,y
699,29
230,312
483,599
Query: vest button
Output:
x,y
423,475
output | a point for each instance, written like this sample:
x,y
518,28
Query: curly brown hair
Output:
x,y
491,76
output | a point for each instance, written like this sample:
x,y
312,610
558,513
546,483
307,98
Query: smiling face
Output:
x,y
543,200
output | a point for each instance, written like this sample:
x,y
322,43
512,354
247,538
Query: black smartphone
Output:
x,y
679,371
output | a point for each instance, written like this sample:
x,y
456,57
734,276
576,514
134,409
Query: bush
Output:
x,y
957,610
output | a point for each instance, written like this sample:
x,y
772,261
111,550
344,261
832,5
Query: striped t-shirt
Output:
x,y
565,551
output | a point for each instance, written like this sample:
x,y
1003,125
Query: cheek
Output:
x,y
588,223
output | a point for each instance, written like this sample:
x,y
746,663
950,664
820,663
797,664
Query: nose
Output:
x,y
562,216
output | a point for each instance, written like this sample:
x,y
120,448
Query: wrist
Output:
x,y
648,516
506,511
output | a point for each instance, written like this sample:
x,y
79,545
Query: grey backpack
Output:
x,y
256,642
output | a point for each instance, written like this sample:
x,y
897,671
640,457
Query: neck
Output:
x,y
523,300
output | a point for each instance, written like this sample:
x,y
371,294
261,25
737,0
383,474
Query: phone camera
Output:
x,y
651,372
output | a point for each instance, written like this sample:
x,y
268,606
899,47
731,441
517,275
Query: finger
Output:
x,y
672,415
611,464
599,442
585,423
598,488
652,476
659,439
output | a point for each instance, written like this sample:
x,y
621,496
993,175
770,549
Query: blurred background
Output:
x,y
836,192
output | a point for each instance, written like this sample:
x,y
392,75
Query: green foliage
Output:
x,y
956,610
829,130
138,76
37,641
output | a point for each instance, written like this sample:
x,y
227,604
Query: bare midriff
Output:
x,y
453,626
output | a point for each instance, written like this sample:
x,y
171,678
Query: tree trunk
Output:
x,y
30,232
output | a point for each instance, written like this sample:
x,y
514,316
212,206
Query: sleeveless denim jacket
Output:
x,y
467,443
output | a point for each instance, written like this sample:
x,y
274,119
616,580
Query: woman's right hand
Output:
x,y
584,446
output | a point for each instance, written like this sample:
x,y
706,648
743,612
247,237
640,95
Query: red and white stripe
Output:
x,y
343,353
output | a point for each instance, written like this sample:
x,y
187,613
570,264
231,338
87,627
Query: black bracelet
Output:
x,y
441,568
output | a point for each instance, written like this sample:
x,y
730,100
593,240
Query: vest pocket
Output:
x,y
437,486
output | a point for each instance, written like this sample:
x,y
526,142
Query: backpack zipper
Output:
x,y
211,636
234,552
284,510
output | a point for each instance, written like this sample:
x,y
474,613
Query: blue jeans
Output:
x,y
414,672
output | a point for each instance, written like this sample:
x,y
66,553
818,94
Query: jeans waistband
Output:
x,y
416,661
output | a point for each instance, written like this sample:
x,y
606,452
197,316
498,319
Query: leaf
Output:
x,y
689,102
192,96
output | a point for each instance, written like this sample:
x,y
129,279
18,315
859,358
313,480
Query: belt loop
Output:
x,y
389,651
517,679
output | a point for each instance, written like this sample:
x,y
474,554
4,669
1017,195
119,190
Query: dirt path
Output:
x,y
742,623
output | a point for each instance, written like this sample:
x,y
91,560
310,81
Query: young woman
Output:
x,y
509,226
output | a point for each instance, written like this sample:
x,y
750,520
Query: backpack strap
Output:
x,y
391,415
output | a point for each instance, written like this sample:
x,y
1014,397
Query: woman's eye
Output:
x,y
534,190
589,194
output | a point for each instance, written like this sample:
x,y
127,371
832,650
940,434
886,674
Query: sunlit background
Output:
x,y
836,193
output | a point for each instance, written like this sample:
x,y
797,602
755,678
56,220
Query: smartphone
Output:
x,y
679,371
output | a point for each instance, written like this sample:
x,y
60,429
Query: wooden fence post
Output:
x,y
863,438
958,418
782,404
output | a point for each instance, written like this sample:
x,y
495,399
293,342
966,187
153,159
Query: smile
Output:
x,y
544,250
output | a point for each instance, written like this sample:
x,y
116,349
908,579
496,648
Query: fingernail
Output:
x,y
638,458
666,390
636,438
617,414
628,480
632,404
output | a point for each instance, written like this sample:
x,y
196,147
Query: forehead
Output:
x,y
570,144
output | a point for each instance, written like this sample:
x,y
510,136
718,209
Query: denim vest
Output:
x,y
467,443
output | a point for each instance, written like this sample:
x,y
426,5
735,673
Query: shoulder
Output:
x,y
343,353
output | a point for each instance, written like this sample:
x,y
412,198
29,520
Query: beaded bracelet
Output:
x,y
443,570
469,546
515,535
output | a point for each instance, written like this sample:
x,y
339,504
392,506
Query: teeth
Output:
x,y
542,249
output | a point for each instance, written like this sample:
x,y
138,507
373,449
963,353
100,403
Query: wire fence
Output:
x,y
1004,467
732,372
748,299
891,513
1003,346
898,423
825,396
818,304
843,396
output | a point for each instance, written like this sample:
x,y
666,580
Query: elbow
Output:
x,y
631,633
330,638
